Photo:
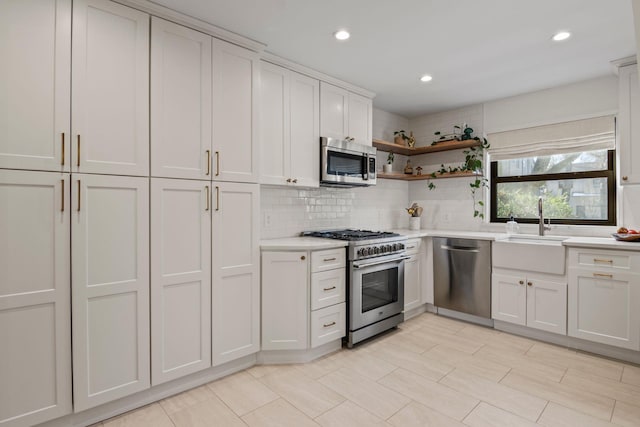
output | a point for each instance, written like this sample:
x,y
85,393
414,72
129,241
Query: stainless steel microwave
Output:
x,y
346,164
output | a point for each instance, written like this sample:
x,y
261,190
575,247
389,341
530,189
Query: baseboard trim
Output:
x,y
279,357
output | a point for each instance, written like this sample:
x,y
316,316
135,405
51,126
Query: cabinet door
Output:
x,y
35,80
285,300
235,77
180,101
360,118
180,278
35,321
110,292
629,125
236,269
509,299
547,305
305,130
427,270
274,132
110,108
603,307
334,111
412,285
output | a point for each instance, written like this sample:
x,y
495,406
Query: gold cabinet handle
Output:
x,y
79,195
607,276
303,257
624,178
208,162
295,180
62,160
288,179
78,157
217,198
529,284
62,195
326,325
217,163
521,282
329,259
602,261
206,190
329,289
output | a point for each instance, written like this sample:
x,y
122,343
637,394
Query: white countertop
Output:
x,y
601,243
479,235
301,243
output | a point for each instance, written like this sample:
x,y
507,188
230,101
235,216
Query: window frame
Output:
x,y
608,173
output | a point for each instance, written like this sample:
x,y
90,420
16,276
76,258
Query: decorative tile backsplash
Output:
x,y
288,211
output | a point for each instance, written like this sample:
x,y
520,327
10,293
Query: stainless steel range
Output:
x,y
375,280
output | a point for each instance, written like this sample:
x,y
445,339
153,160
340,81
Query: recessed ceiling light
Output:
x,y
426,78
342,34
562,35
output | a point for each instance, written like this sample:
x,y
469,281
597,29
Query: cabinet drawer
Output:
x,y
328,324
327,288
413,246
602,259
327,260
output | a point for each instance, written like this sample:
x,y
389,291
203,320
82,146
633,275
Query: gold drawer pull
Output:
x,y
217,163
206,191
329,289
78,154
602,261
329,259
327,325
62,160
607,276
62,206
79,195
208,162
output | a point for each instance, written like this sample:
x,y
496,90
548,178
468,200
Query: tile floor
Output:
x,y
432,371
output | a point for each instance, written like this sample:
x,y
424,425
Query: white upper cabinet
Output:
x,y
360,119
180,101
289,127
345,115
629,125
110,105
35,80
35,320
110,291
235,142
180,278
236,271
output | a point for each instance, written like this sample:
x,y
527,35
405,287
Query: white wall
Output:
x,y
450,205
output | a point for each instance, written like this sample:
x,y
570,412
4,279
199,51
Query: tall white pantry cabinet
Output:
x,y
93,181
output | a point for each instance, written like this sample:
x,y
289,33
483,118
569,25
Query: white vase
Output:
x,y
387,168
414,223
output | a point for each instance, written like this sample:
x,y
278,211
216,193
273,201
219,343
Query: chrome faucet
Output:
x,y
541,226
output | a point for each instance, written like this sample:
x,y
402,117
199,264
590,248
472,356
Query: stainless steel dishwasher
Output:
x,y
462,278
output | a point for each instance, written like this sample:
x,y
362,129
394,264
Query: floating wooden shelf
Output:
x,y
403,177
441,146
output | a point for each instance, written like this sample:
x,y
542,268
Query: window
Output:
x,y
570,165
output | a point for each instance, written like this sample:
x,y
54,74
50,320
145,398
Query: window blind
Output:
x,y
579,135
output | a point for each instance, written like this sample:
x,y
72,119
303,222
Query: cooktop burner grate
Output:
x,y
350,235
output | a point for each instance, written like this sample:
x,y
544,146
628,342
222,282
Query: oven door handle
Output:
x,y
370,264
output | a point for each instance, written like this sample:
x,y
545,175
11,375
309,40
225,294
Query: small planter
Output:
x,y
398,139
414,223
387,168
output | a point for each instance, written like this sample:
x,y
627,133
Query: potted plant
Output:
x,y
400,137
388,168
414,212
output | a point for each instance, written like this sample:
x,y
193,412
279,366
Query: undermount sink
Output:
x,y
544,254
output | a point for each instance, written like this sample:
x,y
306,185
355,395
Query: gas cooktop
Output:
x,y
351,235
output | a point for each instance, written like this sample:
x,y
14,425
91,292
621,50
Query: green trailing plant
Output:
x,y
390,158
473,157
467,134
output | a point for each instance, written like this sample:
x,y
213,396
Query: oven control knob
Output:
x,y
384,249
370,251
400,246
376,250
394,247
388,248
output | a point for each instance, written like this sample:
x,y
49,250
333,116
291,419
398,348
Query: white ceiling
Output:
x,y
476,50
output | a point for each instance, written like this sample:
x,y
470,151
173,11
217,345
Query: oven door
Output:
x,y
376,290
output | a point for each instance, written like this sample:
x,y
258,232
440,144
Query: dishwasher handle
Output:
x,y
459,249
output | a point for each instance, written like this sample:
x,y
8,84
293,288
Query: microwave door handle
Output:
x,y
365,167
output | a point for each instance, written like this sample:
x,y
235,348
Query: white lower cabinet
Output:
x,y
235,322
35,321
303,298
529,300
180,278
413,276
604,296
427,270
110,291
